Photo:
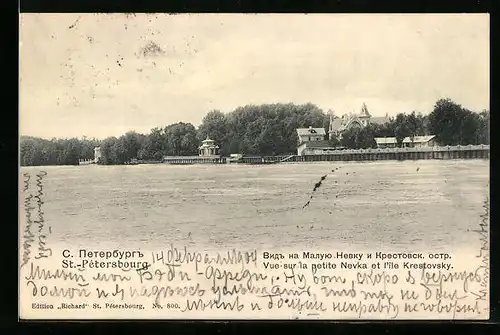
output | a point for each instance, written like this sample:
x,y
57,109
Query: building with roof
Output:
x,y
310,137
315,148
313,140
350,121
208,148
419,141
311,134
386,142
408,142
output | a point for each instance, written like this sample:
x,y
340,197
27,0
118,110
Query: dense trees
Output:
x,y
268,129
452,124
37,151
180,139
153,146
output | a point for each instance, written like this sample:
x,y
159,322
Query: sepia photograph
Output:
x,y
254,166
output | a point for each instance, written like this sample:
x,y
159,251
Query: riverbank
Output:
x,y
446,152
346,155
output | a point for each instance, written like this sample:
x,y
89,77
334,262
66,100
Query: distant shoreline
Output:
x,y
361,155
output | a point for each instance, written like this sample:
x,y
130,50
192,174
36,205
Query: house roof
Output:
x,y
207,140
379,119
385,140
419,139
336,124
340,124
310,131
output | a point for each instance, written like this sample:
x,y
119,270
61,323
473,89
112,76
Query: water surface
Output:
x,y
369,205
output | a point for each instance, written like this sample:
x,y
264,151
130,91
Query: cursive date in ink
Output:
x,y
28,235
484,267
43,250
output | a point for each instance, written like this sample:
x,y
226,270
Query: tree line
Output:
x,y
268,129
36,151
451,123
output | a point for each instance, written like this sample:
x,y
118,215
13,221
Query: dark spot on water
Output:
x,y
74,24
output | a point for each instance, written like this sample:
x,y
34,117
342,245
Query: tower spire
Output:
x,y
364,111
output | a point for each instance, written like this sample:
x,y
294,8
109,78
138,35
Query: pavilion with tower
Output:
x,y
208,148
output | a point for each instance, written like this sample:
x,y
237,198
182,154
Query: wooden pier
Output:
x,y
444,152
86,161
186,160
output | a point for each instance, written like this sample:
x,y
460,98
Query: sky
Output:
x,y
100,75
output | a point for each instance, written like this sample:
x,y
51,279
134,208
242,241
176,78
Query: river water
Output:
x,y
409,205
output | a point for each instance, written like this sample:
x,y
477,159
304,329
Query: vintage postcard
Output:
x,y
231,166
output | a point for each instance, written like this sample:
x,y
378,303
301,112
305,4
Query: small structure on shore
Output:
x,y
207,154
235,158
419,141
408,142
386,142
97,155
208,148
96,160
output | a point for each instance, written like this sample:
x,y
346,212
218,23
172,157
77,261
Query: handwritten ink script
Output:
x,y
183,283
35,229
